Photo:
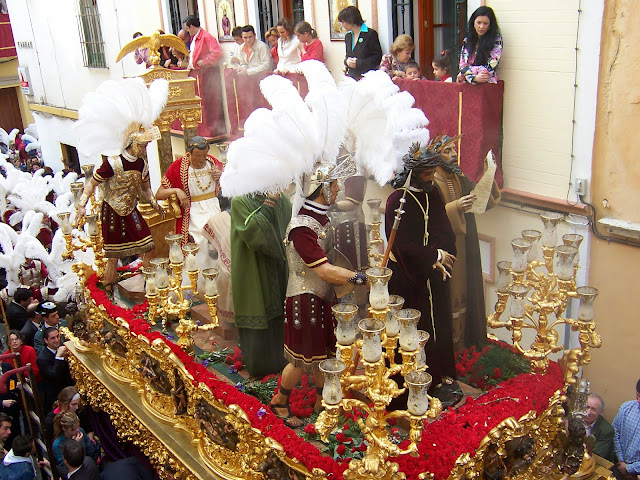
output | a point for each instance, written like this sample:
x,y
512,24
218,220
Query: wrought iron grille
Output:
x,y
297,10
266,16
90,34
402,17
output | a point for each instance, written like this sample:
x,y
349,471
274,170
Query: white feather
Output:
x,y
32,129
13,134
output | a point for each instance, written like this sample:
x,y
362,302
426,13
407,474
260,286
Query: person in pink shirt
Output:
x,y
310,45
203,66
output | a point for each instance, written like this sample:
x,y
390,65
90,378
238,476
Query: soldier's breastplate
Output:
x,y
303,279
121,191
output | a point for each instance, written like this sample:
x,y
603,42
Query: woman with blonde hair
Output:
x,y
401,51
310,45
272,37
67,427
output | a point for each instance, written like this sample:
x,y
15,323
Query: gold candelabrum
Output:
x,y
552,283
91,220
164,290
389,326
375,248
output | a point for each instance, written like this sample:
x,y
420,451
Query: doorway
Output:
x,y
178,11
442,26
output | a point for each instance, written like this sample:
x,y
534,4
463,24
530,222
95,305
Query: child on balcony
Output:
x,y
442,66
412,71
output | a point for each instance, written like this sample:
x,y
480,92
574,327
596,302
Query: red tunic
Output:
x,y
309,325
177,176
315,51
122,235
208,83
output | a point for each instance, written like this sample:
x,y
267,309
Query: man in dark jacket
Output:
x,y
599,427
53,366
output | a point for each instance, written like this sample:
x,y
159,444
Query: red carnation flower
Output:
x,y
237,366
310,428
496,373
341,437
363,447
341,449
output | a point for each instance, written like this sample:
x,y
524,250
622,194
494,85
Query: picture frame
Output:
x,y
487,257
336,32
225,19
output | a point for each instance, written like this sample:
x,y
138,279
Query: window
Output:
x,y
297,11
402,17
179,10
266,17
90,34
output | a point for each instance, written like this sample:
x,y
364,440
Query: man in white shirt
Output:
x,y
254,55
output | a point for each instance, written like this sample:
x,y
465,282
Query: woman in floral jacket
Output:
x,y
481,49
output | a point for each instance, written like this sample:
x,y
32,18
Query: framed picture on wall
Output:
x,y
226,19
335,6
487,257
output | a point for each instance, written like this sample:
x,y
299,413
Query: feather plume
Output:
x,y
32,129
26,138
261,161
13,134
106,114
382,124
4,137
158,93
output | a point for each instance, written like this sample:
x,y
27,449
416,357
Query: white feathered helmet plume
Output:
x,y
292,140
118,113
382,125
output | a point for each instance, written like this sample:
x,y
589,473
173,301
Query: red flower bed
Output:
x,y
443,441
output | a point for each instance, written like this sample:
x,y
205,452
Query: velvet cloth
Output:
x,y
243,96
114,449
475,110
7,44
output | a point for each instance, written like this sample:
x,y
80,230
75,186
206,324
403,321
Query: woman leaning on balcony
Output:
x,y
481,49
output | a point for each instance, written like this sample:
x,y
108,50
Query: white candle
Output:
x,y
92,226
332,393
162,278
517,307
66,226
379,296
150,286
192,265
418,404
409,337
210,287
519,262
346,332
175,253
371,348
585,312
392,323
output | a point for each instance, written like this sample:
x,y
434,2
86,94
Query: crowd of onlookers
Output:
x,y
66,429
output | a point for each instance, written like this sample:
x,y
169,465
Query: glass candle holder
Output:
x,y
88,171
418,384
585,308
190,251
76,189
149,275
534,237
518,294
408,319
504,276
423,338
345,314
65,223
378,278
550,221
574,240
564,261
175,252
374,208
162,276
332,390
520,248
395,303
92,224
210,281
371,342
580,398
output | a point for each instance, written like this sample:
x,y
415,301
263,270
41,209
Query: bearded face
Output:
x,y
449,153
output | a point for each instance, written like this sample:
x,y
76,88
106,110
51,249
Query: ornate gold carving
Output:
x,y
190,117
